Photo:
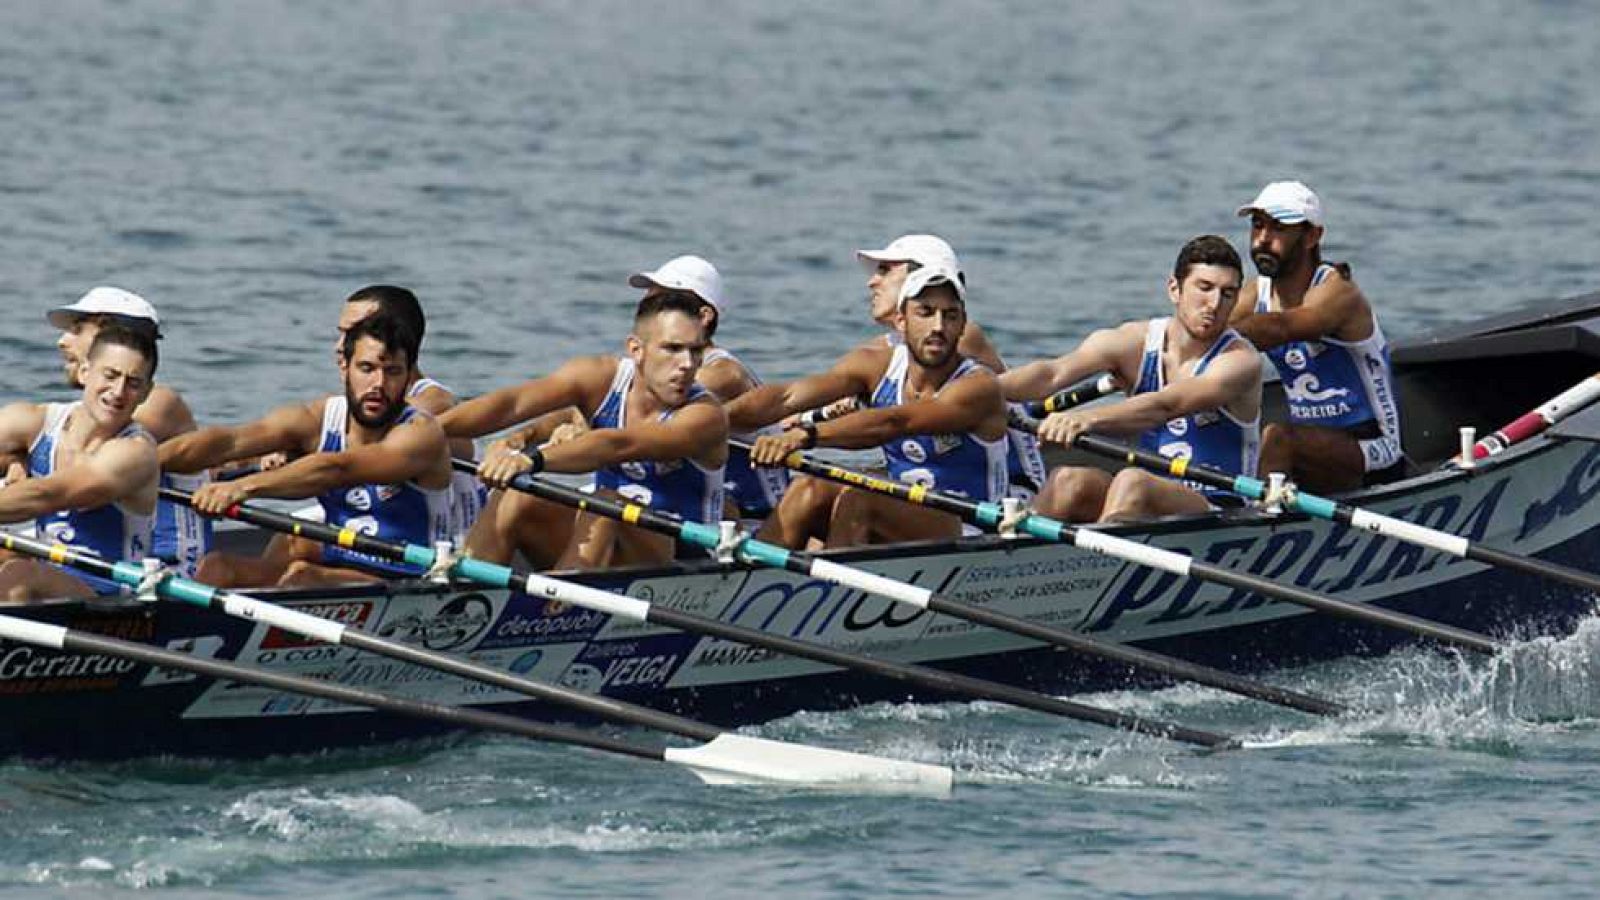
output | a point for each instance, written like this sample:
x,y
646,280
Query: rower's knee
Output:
x,y
1130,496
1072,494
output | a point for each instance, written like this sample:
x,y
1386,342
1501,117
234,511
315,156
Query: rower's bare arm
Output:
x,y
288,428
725,378
969,404
1101,351
975,344
1230,378
409,452
164,414
1335,308
115,472
495,411
854,374
19,424
697,431
433,400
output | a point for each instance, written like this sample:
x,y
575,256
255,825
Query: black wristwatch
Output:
x,y
810,429
535,458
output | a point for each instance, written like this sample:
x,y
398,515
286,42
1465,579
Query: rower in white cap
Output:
x,y
1323,337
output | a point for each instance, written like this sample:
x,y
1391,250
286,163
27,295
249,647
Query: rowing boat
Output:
x,y
1537,498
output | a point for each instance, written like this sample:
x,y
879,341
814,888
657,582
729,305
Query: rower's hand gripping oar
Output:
x,y
1334,511
633,609
763,553
726,759
992,515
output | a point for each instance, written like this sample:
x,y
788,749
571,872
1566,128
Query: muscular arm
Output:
x,y
120,468
497,410
725,378
1229,377
1103,351
972,403
289,428
696,431
975,344
408,452
1335,308
855,373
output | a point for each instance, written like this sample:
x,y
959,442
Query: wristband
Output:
x,y
535,458
811,436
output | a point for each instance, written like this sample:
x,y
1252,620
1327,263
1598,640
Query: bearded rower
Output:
x,y
375,464
652,434
1323,337
939,417
92,475
1195,393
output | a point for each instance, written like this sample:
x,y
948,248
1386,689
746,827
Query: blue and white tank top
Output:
x,y
755,490
181,535
113,532
467,493
1211,437
1339,384
680,486
1025,468
962,464
405,513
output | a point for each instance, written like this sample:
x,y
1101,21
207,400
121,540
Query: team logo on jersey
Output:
x,y
1296,358
61,532
923,477
913,451
944,443
1179,426
358,498
634,469
387,492
1177,450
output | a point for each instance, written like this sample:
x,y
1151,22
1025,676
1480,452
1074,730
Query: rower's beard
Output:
x,y
930,360
384,420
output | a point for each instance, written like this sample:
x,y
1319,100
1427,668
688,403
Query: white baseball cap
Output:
x,y
927,276
1289,202
686,273
105,301
925,250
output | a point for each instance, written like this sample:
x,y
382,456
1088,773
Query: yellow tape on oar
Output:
x,y
347,538
631,513
59,553
918,493
1179,466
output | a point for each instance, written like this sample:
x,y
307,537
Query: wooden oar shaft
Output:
x,y
772,555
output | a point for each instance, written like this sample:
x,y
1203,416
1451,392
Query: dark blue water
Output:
x,y
247,165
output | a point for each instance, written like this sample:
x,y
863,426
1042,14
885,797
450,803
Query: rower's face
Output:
x,y
74,345
883,290
931,323
375,380
115,380
351,314
1205,299
667,349
1279,249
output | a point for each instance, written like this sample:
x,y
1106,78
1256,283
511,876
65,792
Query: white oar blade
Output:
x,y
737,759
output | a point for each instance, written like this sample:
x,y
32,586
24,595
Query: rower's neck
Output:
x,y
1182,346
643,404
1289,289
923,381
83,433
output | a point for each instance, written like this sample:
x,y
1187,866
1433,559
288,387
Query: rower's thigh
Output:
x,y
1325,459
891,521
22,580
1073,493
1137,494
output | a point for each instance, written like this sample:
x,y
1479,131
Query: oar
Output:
x,y
990,515
1541,417
1335,511
806,564
633,609
1092,388
726,758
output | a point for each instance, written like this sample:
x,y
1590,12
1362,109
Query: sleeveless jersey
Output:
x,y
680,486
1025,468
467,493
181,535
406,513
959,463
1211,437
1339,384
755,490
111,532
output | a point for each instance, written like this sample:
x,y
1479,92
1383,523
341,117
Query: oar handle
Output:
x,y
1086,391
920,495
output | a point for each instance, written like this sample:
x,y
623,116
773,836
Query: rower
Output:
x,y
938,416
886,272
181,536
375,463
92,472
1323,337
652,435
1196,393
752,492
